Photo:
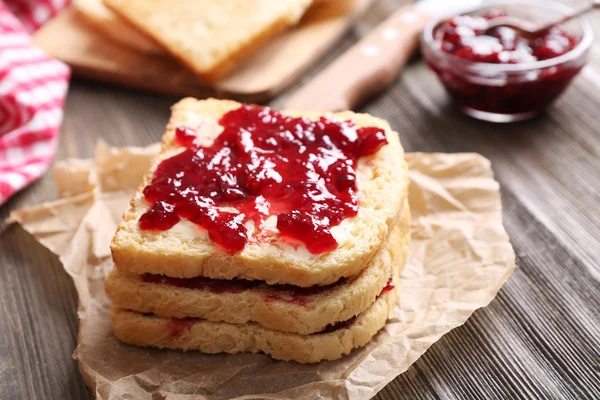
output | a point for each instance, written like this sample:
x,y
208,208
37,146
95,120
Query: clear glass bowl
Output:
x,y
509,92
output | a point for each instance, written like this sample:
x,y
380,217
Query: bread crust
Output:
x,y
173,26
262,304
184,251
221,337
115,27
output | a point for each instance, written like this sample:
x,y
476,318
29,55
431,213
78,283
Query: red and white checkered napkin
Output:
x,y
33,88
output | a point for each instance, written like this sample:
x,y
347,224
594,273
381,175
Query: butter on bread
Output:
x,y
221,337
115,27
265,305
210,37
186,252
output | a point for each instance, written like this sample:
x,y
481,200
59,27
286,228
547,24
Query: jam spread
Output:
x,y
306,291
297,294
179,326
339,325
214,285
464,37
278,292
289,292
520,92
387,288
263,164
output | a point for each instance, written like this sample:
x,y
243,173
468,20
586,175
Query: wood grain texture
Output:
x,y
539,339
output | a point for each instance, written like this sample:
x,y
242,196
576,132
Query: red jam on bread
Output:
x,y
279,292
179,326
263,164
388,287
200,282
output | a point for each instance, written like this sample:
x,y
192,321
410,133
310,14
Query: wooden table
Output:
x,y
539,339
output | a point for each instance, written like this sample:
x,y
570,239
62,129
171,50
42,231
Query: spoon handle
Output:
x,y
582,9
365,69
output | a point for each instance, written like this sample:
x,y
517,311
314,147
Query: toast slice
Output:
x,y
115,27
210,37
220,337
185,251
282,308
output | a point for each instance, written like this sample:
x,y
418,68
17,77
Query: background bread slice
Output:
x,y
185,251
210,37
115,27
263,304
220,337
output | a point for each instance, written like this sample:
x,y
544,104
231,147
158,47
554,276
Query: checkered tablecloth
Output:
x,y
33,88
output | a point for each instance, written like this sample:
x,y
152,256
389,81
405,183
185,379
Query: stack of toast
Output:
x,y
209,37
195,269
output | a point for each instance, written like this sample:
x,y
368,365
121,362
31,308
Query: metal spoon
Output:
x,y
531,28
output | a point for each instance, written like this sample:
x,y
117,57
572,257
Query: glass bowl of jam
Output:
x,y
502,75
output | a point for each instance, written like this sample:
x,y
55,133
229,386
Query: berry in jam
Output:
x,y
464,36
263,164
502,75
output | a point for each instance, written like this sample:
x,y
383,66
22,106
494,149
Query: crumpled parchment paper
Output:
x,y
460,257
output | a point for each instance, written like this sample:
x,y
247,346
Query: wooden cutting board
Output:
x,y
71,39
